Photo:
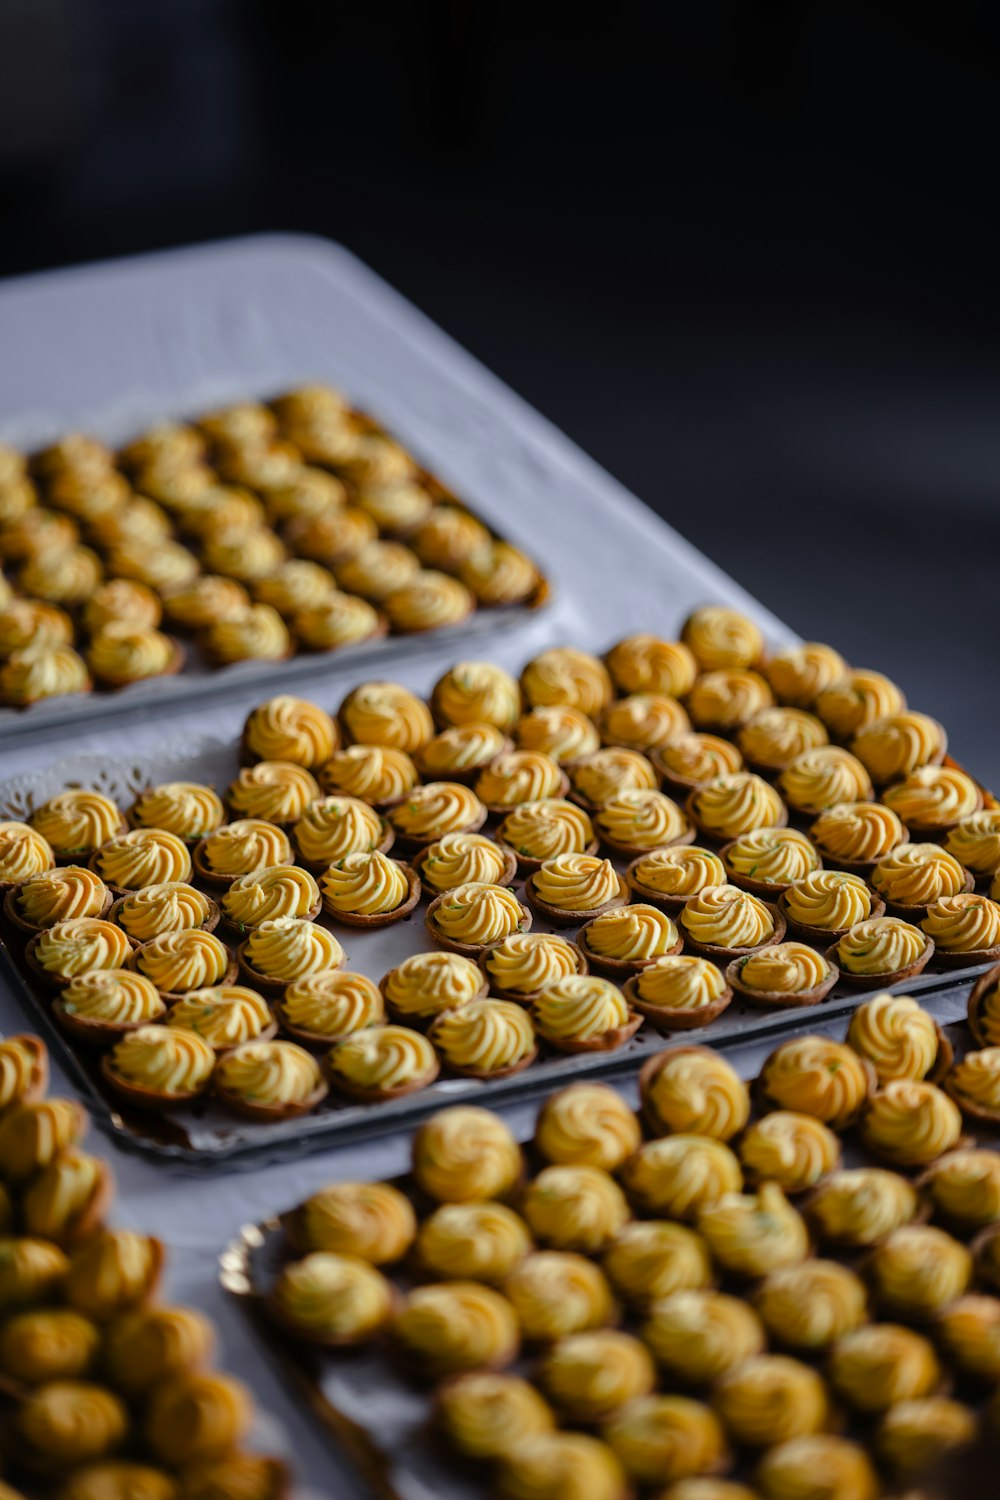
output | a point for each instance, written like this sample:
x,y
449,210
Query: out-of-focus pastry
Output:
x,y
722,637
572,888
964,1188
267,1080
882,951
856,835
728,806
50,1344
67,577
590,1376
793,1150
918,1271
969,1332
696,1336
254,633
485,1415
556,1292
113,1271
382,1062
42,672
876,1366
67,1200
567,1465
290,729
461,752
449,537
723,922
565,733
33,1132
574,1208
933,799
171,907
33,623
123,652
817,1467
975,842
912,877
65,1423
243,847
332,1299
371,1220
263,895
679,1175
39,533
197,1416
205,601
279,791
447,1327
188,809
465,1153
584,1013
463,858
599,777
567,677
485,1039
750,1234
627,938
122,600
427,984
472,1242
783,974
771,1399
587,1124
666,1437
476,692
308,492
810,1306
396,506
692,759
142,857
295,586
679,992
723,701
653,1258
861,1207
814,1075
152,1344
157,1067
778,736
856,700
501,574
430,601
520,776
827,903
913,1435
693,1090
671,876
909,1123
897,1036
340,620
974,1084
647,664
24,1070
102,1005
224,1015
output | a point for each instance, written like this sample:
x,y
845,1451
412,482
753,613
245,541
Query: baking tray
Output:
x,y
362,1397
203,1136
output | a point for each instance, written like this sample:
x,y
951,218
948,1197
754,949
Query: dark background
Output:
x,y
745,254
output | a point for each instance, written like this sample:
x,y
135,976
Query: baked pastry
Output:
x,y
828,903
519,776
331,536
464,1154
396,506
377,774
383,713
856,700
68,893
77,947
572,888
485,1039
40,532
460,753
121,599
153,1344
590,1376
40,672
141,857
502,574
114,1480
722,637
382,1062
76,822
254,633
279,951
567,1465
113,1270
637,821
537,831
472,1242
476,692
524,964
861,1207
371,1220
653,1258
814,1075
185,808
987,1257
969,1332
669,877
917,1271
484,1415
728,806
964,1188
692,1090
666,1437
341,620
913,1435
447,1327
33,1132
123,652
279,791
64,576
679,1175
793,1150
912,877
722,701
430,811
171,442
771,1399
66,1202
560,731
810,1306
585,1124
241,848
974,1084
599,777
822,778
627,938
856,836
471,918
647,664
322,1008
196,1416
934,799
643,721
975,842
158,1067
909,1123
294,587
65,1423
706,1487
430,601
32,622
181,961
225,1016
692,759
876,1366
897,1036
279,891
723,922
173,906
583,1013
205,601
265,1080
332,1299
426,984
894,746
569,1207
291,730
679,992
881,951
51,1344
101,1005
31,1272
696,1336
766,861
750,1234
463,859
965,930
817,1467
555,1293
783,974
565,677
777,737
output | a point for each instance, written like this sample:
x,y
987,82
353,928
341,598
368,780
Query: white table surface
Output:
x,y
110,347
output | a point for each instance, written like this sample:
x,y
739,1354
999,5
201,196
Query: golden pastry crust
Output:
x,y
583,1012
719,637
856,700
817,1076
66,1423
695,758
78,947
262,895
915,875
590,1376
224,1015
556,1292
909,1123
205,601
771,1399
964,1188
68,894
730,806
77,821
897,1037
817,1467
256,632
502,574
383,713
430,811
678,1176
724,700
487,1416
377,774
574,1208
197,1416
918,1271
329,1005
776,737
861,1207
331,1298
725,919
569,1465
675,874
292,730
476,692
426,984
56,1344
810,1306
587,1124
519,776
170,907
647,664
244,847
793,1150
461,751
464,1154
141,857
876,1366
823,778
463,859
882,947
278,791
472,917
161,1062
382,1062
692,1090
913,1435
696,1336
975,842
964,926
650,1259
934,797
485,1039
472,1242
121,599
448,1327
643,721
599,777
153,1344
333,827
185,808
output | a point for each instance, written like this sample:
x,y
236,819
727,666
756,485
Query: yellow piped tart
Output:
x,y
910,1123
332,1299
517,777
278,791
472,917
332,536
396,506
897,1036
340,620
78,946
476,692
465,1154
627,938
449,538
679,992
322,1008
934,799
720,637
810,1306
33,1271
430,601
144,856
430,811
297,585
485,1039
590,1376
817,1467
556,1292
653,1258
565,677
502,574
964,1187
827,903
263,895
425,984
537,831
124,652
965,929
856,700
558,730
588,1125
292,730
599,777
984,1009
61,895
723,701
180,961
33,1131
32,622
673,875
766,861
635,822
42,672
382,1062
121,599
913,876
67,576
159,1066
284,949
860,1208
570,888
461,859
876,1366
771,1399
66,1201
823,778
472,1242
156,909
256,632
893,747
776,737
446,1327
156,1343
918,1271
974,1084
266,1080
372,1220
383,713
332,827
459,753
185,808
814,1075
697,1336
485,1415
44,1345
730,806
750,1234
691,759
522,965
377,774
584,1013
103,1004
857,835
574,1208
913,1435
881,951
572,1465
241,848
643,721
723,921
204,601
114,1271
77,822
975,842
969,1330
783,974
65,1424
692,1090
647,664
369,890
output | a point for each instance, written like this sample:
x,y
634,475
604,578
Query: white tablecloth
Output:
x,y
109,347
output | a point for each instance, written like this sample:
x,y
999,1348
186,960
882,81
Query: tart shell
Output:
x,y
665,1019
209,877
620,968
143,1098
969,959
506,877
529,997
726,955
20,924
781,999
422,1022
381,918
453,1070
313,1040
820,935
983,985
258,981
291,1109
609,1041
880,981
470,950
567,917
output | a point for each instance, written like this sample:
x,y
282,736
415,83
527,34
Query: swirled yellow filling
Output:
x,y
811,1305
643,721
899,744
478,914
789,1471
965,1188
822,778
246,846
975,842
501,574
364,885
976,1079
484,1036
587,1124
425,984
125,652
591,1375
61,895
340,620
880,945
517,777
276,790
556,1292
79,945
541,830
696,1336
668,1438
77,822
292,730
204,600
457,1325
564,677
477,692
785,968
695,758
269,1074
874,1367
963,924
283,891
223,1015
695,1091
913,1435
576,882
680,982
771,1399
255,632
23,852
295,586
918,874
857,833
726,699
36,1347
777,736
461,859
723,916
463,748
333,1004
246,553
156,1343
372,1220
288,948
680,871
121,600
396,506
383,1058
32,622
557,730
485,1415
910,1123
333,535
171,907
729,806
814,1075
970,1331
69,1422
599,777
569,1464
647,664
897,1037
67,576
641,819
110,1271
632,934
721,637
793,1150
145,856
31,1270
163,1060
829,900
436,808
775,856
856,700
116,997
185,808
465,1153
581,1007
653,1258
375,773
862,1206
188,960
335,1296
574,1208
524,963
32,1133
919,1270
935,797
383,713
429,601
750,1234
678,1175
42,672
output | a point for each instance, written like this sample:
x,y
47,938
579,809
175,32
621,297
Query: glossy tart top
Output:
x,y
339,1297
918,874
126,652
185,960
333,1003
632,934
880,1364
641,820
457,1325
332,827
476,692
964,1187
857,832
880,945
79,945
143,856
679,872
292,730
122,599
428,601
776,736
750,1234
774,856
278,791
462,748
643,721
487,1415
599,777
919,1270
61,895
484,1036
934,797
975,1080
501,574
696,1336
678,1175
576,882
699,757
425,984
729,806
541,830
587,1124
814,1075
966,923
822,778
800,673
526,962
790,1469
254,633
975,842
723,916
372,772
581,1007
272,1074
164,1060
206,600
461,858
910,1123
574,1208
383,713
246,846
856,700
340,620
793,1150
438,807
695,1091
185,808
811,1305
23,852
478,914
77,821
383,1059
564,676
721,637
113,997
647,664
365,884
896,1035
895,746
42,672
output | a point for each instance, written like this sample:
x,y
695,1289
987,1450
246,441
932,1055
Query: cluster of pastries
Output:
x,y
645,1299
256,531
106,1392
